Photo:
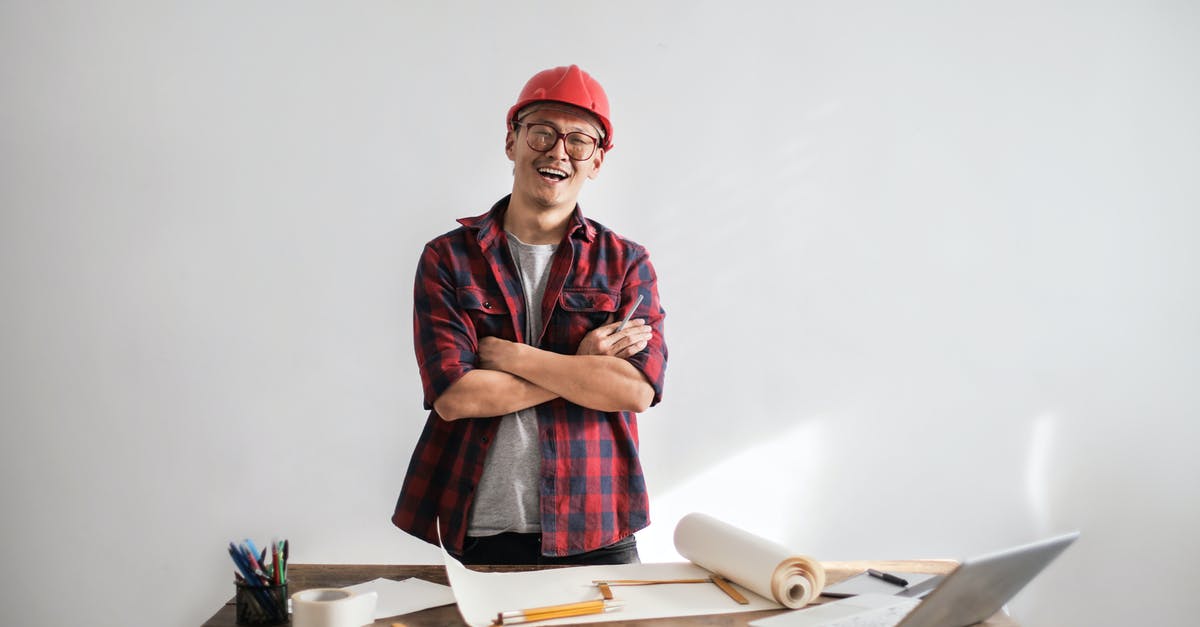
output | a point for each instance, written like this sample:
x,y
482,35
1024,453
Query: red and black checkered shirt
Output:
x,y
592,489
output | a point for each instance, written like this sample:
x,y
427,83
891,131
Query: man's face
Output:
x,y
551,179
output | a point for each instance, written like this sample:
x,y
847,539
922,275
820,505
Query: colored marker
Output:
x,y
888,577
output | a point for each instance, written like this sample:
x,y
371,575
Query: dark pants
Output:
x,y
526,549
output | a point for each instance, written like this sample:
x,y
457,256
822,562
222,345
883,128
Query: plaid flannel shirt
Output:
x,y
592,491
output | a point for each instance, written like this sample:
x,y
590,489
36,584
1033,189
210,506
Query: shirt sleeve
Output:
x,y
652,360
443,334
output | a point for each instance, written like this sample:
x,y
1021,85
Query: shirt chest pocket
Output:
x,y
487,310
579,311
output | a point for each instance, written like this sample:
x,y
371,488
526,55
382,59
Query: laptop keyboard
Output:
x,y
882,617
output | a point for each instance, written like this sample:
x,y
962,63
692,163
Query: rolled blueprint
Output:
x,y
755,563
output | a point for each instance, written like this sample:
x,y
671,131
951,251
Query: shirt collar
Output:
x,y
490,225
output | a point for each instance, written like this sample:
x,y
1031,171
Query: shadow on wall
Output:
x,y
765,488
855,487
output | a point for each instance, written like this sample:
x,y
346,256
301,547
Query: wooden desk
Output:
x,y
305,576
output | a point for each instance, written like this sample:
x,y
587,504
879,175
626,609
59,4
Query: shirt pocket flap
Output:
x,y
589,300
478,299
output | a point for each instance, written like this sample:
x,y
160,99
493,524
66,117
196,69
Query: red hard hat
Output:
x,y
569,85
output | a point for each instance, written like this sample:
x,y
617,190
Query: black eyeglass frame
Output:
x,y
558,136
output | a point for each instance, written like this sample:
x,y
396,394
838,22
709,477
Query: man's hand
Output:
x,y
606,340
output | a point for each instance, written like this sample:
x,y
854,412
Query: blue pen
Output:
x,y
253,549
257,558
239,558
245,565
254,576
250,559
247,573
260,594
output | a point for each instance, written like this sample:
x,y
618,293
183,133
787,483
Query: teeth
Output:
x,y
553,172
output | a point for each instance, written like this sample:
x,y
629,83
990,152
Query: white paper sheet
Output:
x,y
481,595
756,567
864,610
403,597
866,584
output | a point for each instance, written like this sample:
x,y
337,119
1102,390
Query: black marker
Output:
x,y
892,579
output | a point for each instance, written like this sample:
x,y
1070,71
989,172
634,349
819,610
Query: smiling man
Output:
x,y
530,452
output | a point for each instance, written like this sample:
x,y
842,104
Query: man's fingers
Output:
x,y
632,324
629,338
606,340
632,349
635,333
635,322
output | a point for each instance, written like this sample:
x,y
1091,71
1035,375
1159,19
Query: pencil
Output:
x,y
648,582
556,611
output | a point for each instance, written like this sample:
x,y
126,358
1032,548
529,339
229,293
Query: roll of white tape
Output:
x,y
333,607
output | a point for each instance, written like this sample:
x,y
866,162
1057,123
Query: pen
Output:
x,y
275,563
253,549
888,577
253,562
239,561
630,314
260,595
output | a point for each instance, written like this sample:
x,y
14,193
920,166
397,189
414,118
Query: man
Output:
x,y
530,455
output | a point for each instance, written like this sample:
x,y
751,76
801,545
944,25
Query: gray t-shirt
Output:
x,y
508,497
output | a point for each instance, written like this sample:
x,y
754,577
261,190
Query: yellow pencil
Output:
x,y
556,611
648,582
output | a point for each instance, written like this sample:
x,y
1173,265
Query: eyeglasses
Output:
x,y
543,137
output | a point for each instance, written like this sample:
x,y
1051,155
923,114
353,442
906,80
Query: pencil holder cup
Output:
x,y
262,605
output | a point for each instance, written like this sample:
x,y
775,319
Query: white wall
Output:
x,y
931,276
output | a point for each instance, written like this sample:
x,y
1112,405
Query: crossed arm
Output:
x,y
512,376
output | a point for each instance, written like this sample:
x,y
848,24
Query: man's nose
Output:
x,y
559,148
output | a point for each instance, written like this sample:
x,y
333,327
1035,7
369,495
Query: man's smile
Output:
x,y
552,174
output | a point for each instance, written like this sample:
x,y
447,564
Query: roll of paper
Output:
x,y
333,607
755,563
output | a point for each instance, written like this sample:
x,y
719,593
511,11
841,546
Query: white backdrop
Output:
x,y
931,277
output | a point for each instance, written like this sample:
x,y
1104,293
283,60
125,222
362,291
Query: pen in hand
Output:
x,y
629,315
888,577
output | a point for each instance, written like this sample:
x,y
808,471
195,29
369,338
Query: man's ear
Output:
x,y
510,140
597,161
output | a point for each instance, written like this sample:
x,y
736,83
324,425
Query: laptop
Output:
x,y
973,592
